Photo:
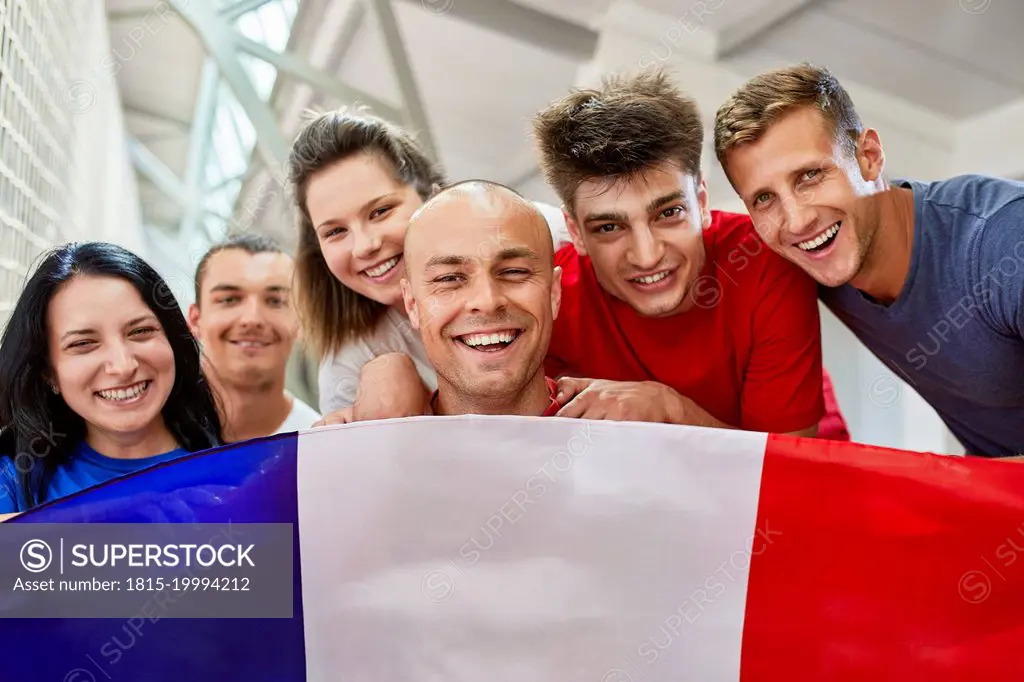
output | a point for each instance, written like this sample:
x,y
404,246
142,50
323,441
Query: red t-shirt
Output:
x,y
553,406
832,425
549,411
749,354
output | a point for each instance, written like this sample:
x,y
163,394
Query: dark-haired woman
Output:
x,y
101,377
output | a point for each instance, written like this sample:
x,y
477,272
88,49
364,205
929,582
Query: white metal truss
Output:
x,y
415,115
221,42
237,9
198,149
224,43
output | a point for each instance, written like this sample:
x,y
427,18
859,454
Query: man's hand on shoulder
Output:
x,y
389,388
642,401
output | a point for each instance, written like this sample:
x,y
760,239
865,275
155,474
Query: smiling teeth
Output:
x,y
488,339
125,393
651,279
383,268
820,239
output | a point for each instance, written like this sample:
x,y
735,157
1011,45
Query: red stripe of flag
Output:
x,y
874,565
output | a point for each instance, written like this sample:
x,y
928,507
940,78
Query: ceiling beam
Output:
x,y
224,182
136,110
159,137
298,67
416,114
223,43
351,21
233,12
534,27
199,144
918,141
129,14
328,48
219,39
746,21
709,29
157,172
335,32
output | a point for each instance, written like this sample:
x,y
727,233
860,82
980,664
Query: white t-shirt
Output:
x,y
339,374
300,418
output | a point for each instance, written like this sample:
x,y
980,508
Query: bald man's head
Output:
x,y
481,287
481,202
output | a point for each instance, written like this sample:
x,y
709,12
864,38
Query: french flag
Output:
x,y
557,550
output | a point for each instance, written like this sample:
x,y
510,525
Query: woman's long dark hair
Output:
x,y
37,428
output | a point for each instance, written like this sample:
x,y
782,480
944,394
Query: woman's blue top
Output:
x,y
84,467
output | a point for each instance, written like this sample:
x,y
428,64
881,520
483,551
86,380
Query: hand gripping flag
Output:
x,y
558,550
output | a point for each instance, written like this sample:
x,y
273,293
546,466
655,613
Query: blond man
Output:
x,y
928,275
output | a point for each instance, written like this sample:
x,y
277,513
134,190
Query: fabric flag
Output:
x,y
559,550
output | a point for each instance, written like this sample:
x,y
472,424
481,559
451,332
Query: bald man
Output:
x,y
481,287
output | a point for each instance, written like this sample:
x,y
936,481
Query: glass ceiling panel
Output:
x,y
232,136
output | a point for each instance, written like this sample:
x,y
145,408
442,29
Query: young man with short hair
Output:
x,y
673,311
929,276
244,319
481,289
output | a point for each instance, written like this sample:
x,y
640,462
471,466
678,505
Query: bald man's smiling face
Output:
x,y
481,288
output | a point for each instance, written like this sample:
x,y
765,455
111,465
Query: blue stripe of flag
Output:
x,y
249,483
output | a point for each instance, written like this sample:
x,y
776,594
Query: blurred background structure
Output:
x,y
163,125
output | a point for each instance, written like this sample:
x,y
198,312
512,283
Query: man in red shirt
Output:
x,y
481,288
676,313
